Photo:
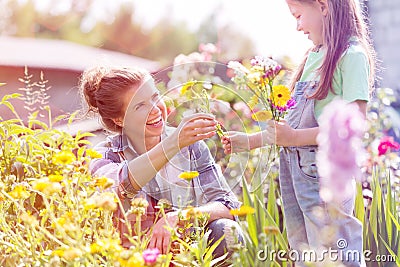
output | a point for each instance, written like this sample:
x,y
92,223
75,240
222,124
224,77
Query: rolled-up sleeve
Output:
x,y
111,166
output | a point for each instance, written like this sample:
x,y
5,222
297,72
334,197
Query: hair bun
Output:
x,y
90,84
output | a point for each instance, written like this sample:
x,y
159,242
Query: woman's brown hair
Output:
x,y
104,89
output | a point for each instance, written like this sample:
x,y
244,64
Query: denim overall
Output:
x,y
310,222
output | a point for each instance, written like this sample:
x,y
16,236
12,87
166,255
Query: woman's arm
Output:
x,y
216,210
192,129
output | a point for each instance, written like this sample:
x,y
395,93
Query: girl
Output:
x,y
145,157
340,64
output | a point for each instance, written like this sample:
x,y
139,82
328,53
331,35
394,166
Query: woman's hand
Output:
x,y
161,237
234,142
194,128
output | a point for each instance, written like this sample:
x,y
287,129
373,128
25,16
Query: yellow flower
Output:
x,y
255,80
280,95
244,210
188,175
262,115
105,201
19,192
271,230
29,219
186,86
93,154
164,204
95,248
46,187
139,203
136,260
56,178
58,222
191,212
70,254
104,182
253,102
139,206
64,157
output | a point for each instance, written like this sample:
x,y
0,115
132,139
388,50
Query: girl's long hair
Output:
x,y
344,20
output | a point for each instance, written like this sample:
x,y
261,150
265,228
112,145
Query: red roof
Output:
x,y
59,54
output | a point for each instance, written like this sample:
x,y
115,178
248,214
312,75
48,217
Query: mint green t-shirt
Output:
x,y
351,77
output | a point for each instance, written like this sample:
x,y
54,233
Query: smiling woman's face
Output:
x,y
145,111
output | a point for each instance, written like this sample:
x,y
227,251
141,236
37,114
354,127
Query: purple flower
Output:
x,y
340,149
290,104
277,69
150,255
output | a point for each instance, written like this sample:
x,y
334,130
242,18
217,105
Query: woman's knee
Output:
x,y
230,230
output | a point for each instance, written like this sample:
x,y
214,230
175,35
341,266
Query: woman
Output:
x,y
146,156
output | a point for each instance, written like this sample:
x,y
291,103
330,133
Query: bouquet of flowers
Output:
x,y
276,100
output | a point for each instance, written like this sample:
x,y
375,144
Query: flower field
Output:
x,y
54,213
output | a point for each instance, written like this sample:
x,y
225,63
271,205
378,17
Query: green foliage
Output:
x,y
54,213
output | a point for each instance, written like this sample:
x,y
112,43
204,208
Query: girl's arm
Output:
x,y
282,134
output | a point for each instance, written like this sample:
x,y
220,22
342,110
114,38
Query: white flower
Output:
x,y
237,67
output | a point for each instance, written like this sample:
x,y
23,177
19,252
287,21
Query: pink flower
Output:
x,y
340,150
387,143
243,107
150,255
208,48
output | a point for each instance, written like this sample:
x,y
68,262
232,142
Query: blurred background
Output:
x,y
63,37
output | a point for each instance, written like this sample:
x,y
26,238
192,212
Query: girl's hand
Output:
x,y
194,128
280,133
234,142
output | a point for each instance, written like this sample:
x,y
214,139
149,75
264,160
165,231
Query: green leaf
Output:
x,y
85,142
359,208
388,205
10,96
39,123
375,208
250,218
10,106
279,236
396,257
80,135
59,118
18,129
208,255
72,117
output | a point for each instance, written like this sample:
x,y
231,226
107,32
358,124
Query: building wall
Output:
x,y
385,26
63,92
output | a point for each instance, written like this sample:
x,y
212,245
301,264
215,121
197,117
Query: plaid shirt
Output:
x,y
209,186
